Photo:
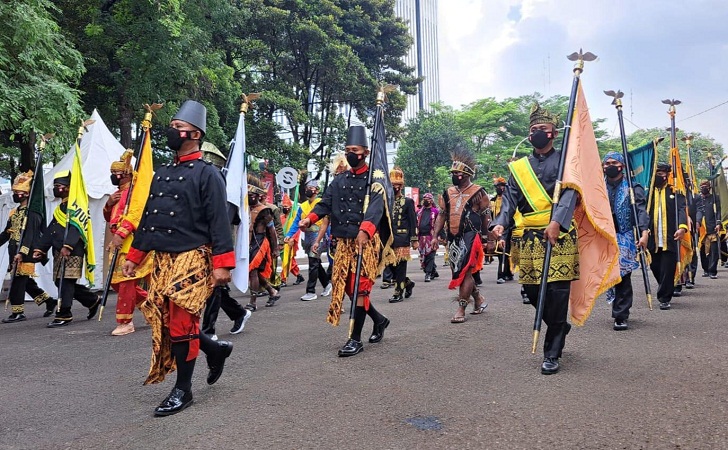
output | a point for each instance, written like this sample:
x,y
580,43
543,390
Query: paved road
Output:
x,y
428,384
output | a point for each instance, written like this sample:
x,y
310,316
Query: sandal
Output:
x,y
272,300
457,319
250,307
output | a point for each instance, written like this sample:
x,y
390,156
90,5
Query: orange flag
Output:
x,y
676,179
598,251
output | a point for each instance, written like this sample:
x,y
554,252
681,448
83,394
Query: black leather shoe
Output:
x,y
59,322
620,325
378,331
176,401
396,298
435,275
351,348
217,362
50,305
408,289
15,317
428,278
94,309
550,366
664,306
299,280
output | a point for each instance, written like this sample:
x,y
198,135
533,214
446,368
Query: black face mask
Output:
x,y
500,190
427,203
540,139
17,198
115,180
175,139
353,159
612,171
59,192
252,200
310,193
457,180
660,181
704,191
286,211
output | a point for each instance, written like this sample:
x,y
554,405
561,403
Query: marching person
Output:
x,y
667,227
286,206
708,218
620,296
529,192
20,253
503,246
316,272
426,218
185,223
464,207
72,249
263,238
129,293
355,230
404,222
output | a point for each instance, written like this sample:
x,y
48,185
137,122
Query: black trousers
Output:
x,y
220,298
663,268
21,285
429,264
709,262
723,251
69,290
387,274
554,314
316,272
504,266
399,272
622,298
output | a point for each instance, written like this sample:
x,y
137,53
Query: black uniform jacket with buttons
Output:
x,y
404,222
343,202
53,237
34,228
186,209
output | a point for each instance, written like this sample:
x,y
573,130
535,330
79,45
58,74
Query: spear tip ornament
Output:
x,y
579,57
617,97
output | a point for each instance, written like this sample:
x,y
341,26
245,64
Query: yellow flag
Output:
x,y
676,178
598,250
78,212
140,193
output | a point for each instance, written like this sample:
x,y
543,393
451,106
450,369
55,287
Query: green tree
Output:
x,y
39,74
424,153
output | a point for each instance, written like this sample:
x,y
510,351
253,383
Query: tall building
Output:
x,y
421,16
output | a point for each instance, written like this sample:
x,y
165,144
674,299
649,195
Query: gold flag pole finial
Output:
x,y
247,103
672,102
45,139
383,91
150,111
579,58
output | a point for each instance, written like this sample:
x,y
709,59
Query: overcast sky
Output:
x,y
650,49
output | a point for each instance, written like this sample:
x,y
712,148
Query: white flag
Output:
x,y
237,194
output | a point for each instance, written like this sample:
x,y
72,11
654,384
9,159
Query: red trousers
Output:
x,y
129,296
184,326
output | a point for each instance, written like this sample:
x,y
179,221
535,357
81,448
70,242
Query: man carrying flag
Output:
x,y
69,234
25,223
186,224
357,230
123,226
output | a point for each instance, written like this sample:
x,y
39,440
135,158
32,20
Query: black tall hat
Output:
x,y
664,167
193,113
357,135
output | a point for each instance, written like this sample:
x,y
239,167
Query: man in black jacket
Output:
x,y
709,217
404,223
668,224
67,245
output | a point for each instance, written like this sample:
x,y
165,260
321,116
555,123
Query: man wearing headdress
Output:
x,y
464,206
186,224
20,253
404,223
316,272
668,224
426,218
68,245
263,239
286,206
129,293
708,221
620,296
355,230
529,192
503,246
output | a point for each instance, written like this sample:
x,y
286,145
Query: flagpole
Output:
x,y
635,216
146,126
673,145
579,58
